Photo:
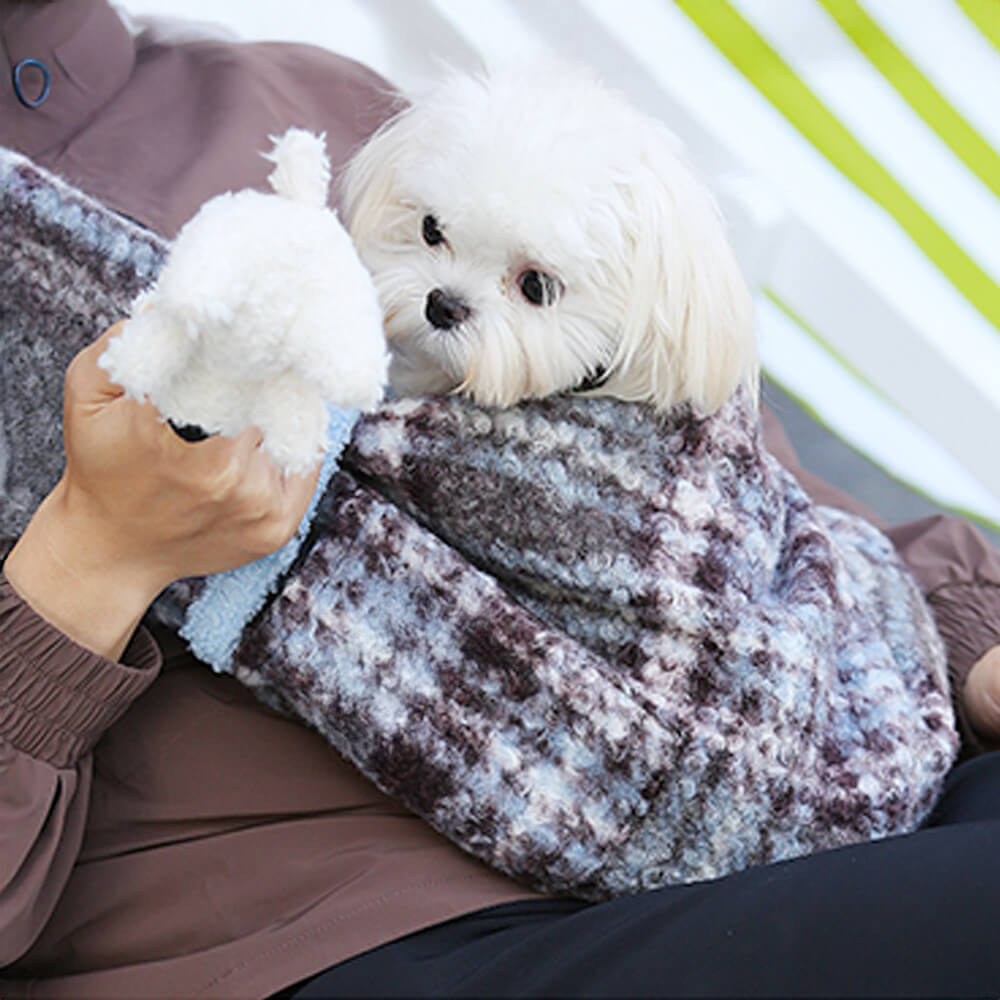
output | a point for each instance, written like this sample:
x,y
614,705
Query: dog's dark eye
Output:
x,y
539,288
432,231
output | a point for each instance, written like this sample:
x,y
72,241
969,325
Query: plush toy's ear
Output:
x,y
688,333
301,167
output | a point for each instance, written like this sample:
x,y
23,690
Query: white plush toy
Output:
x,y
262,315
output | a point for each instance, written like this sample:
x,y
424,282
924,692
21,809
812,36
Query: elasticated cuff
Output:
x,y
968,617
56,697
958,570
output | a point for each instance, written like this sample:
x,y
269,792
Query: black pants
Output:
x,y
910,916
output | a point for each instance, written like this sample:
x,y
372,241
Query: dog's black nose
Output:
x,y
445,311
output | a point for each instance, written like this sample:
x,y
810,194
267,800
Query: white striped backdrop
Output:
x,y
854,145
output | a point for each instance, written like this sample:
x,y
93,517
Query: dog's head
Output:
x,y
529,232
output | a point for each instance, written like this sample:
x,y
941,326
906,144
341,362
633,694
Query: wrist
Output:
x,y
66,567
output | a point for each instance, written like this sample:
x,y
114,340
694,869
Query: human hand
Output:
x,y
137,507
981,697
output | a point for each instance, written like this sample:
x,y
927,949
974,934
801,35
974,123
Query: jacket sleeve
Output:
x,y
56,700
959,572
954,563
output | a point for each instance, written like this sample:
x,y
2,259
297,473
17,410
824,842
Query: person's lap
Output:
x,y
913,915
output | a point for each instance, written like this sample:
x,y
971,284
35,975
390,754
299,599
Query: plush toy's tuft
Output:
x,y
302,169
262,315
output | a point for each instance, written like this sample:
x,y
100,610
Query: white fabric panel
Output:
x,y
804,231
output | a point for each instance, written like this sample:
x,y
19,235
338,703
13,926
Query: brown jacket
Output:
x,y
161,833
152,131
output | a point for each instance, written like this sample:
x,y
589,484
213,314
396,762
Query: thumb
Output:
x,y
86,380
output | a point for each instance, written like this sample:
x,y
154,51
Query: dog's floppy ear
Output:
x,y
367,185
688,331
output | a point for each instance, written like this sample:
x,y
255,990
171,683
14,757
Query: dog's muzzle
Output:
x,y
444,311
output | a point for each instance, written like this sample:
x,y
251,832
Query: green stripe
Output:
x,y
967,144
772,76
985,14
861,379
963,512
828,348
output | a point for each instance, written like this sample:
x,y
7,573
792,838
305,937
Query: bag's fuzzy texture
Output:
x,y
607,650
599,648
71,268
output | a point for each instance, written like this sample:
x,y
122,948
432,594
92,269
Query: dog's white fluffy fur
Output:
x,y
530,232
262,315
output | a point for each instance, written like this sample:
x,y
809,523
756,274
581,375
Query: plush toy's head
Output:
x,y
262,315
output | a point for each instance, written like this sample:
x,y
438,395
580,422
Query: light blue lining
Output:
x,y
215,621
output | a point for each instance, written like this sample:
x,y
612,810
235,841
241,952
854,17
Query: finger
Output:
x,y
304,484
229,466
264,507
289,493
247,451
298,490
153,428
219,459
89,380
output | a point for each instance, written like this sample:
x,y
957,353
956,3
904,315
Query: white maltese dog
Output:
x,y
530,232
